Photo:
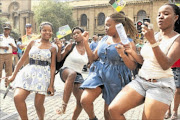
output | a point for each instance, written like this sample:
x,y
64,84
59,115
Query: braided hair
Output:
x,y
127,23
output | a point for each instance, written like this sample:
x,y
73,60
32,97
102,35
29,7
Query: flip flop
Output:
x,y
167,115
174,116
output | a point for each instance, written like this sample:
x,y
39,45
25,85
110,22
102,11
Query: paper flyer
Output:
x,y
122,33
118,5
63,31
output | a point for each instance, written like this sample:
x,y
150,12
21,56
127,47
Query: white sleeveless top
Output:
x,y
151,68
76,61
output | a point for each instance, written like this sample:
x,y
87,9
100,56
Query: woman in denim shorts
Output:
x,y
176,72
154,85
70,73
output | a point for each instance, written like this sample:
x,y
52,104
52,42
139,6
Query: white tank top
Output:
x,y
151,68
76,61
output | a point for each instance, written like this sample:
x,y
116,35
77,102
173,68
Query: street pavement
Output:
x,y
8,110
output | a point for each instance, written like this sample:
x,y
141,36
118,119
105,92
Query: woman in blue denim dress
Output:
x,y
112,71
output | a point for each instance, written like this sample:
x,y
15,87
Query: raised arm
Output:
x,y
92,56
131,51
128,59
165,61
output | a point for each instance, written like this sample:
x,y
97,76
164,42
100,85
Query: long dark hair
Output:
x,y
177,12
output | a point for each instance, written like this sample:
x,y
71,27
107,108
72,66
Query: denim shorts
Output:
x,y
163,90
176,72
79,78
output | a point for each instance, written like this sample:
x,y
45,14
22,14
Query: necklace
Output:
x,y
81,50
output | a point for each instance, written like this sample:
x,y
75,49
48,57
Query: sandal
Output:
x,y
167,115
174,116
61,110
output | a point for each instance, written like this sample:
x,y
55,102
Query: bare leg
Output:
x,y
87,99
125,100
168,113
154,110
20,96
106,112
39,105
77,93
69,77
176,103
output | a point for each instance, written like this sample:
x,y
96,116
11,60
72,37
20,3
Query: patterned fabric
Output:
x,y
35,77
109,72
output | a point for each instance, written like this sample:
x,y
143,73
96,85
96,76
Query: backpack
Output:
x,y
60,64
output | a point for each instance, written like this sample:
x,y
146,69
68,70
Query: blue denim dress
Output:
x,y
110,72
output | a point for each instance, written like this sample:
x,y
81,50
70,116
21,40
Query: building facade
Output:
x,y
91,14
18,13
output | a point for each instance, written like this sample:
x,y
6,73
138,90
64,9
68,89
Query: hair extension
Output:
x,y
127,23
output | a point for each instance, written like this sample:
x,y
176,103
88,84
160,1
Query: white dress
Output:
x,y
34,77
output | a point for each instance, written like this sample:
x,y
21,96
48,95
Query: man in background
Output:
x,y
7,45
26,39
94,43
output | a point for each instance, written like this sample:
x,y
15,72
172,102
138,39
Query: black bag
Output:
x,y
60,64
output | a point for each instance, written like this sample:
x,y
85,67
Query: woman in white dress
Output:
x,y
38,75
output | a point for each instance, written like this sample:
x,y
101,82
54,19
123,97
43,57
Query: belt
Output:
x,y
149,80
38,62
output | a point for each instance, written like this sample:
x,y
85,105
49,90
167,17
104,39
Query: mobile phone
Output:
x,y
146,20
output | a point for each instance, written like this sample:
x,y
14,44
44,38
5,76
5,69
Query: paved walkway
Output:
x,y
8,110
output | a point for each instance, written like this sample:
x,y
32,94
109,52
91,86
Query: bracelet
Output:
x,y
155,44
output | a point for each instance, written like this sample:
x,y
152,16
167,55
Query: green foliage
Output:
x,y
58,13
2,20
14,33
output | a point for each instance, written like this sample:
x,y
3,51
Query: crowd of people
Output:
x,y
156,82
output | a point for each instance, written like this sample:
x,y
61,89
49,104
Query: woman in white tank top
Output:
x,y
154,85
70,73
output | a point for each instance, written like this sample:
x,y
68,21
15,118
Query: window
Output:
x,y
141,14
101,19
83,20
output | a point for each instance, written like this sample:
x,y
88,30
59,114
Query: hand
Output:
x,y
128,48
10,44
58,42
85,36
9,80
148,32
50,90
6,48
120,49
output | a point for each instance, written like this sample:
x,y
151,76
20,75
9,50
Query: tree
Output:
x,y
58,13
14,32
2,20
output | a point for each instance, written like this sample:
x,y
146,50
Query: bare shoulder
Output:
x,y
53,48
32,42
68,47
